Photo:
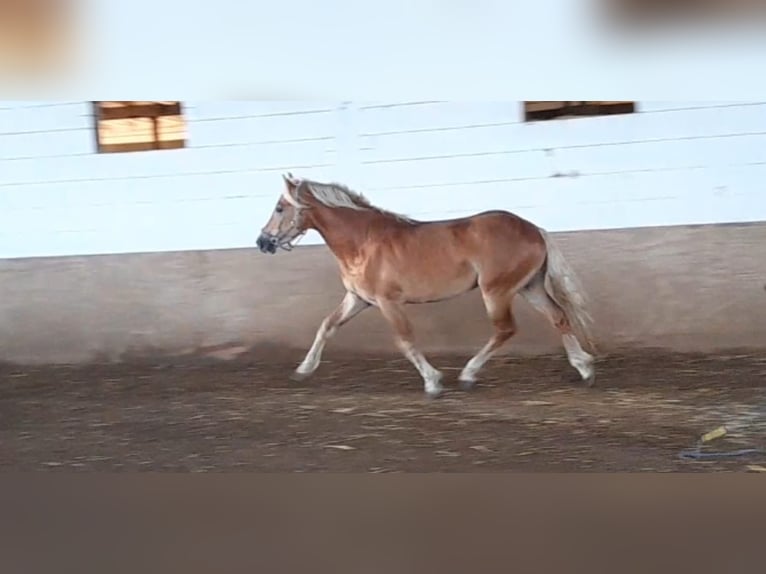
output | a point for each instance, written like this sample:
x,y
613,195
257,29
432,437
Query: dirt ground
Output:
x,y
369,414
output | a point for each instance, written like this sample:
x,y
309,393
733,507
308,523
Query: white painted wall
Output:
x,y
672,163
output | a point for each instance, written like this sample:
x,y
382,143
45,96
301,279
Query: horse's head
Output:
x,y
287,221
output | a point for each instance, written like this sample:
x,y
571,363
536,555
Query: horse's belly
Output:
x,y
436,288
412,284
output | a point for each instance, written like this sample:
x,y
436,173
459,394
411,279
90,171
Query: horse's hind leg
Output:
x,y
581,360
501,315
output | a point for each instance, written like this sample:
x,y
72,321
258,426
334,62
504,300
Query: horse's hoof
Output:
x,y
297,376
432,394
466,384
590,380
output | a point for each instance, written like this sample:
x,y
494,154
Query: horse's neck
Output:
x,y
343,230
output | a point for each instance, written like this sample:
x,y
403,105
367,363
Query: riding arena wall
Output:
x,y
117,256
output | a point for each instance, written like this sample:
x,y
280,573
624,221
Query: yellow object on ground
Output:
x,y
714,434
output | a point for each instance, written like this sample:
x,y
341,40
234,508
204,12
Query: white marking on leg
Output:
x,y
431,376
349,307
578,358
472,367
494,311
393,313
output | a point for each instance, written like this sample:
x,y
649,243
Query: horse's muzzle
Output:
x,y
267,243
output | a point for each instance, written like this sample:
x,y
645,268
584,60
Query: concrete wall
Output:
x,y
687,288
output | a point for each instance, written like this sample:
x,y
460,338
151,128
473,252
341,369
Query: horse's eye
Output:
x,y
278,209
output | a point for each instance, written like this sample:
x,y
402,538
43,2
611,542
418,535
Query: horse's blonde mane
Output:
x,y
338,195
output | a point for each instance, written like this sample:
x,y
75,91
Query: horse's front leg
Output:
x,y
351,306
394,314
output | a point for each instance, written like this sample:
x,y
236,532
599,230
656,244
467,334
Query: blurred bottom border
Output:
x,y
380,523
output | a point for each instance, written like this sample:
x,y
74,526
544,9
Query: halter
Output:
x,y
290,244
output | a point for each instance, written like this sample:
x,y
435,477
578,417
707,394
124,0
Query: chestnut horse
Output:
x,y
387,261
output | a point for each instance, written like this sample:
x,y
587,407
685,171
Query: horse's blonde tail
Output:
x,y
564,288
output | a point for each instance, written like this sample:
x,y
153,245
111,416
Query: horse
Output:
x,y
389,261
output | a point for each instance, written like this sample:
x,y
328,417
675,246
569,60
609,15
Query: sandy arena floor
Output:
x,y
369,414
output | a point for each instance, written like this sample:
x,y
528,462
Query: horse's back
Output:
x,y
489,238
503,218
497,224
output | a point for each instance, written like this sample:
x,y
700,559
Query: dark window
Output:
x,y
534,111
139,126
658,11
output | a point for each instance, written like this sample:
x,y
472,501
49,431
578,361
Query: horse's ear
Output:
x,y
290,181
287,194
291,185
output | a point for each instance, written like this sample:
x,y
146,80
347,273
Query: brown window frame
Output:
x,y
566,110
137,110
